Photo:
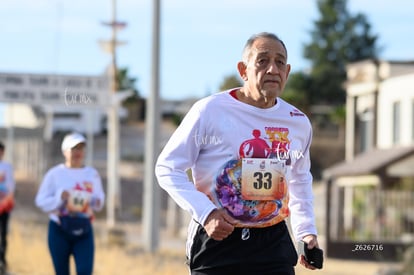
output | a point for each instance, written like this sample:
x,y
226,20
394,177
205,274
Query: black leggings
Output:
x,y
4,224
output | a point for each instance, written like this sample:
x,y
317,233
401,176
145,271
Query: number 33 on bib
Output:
x,y
263,179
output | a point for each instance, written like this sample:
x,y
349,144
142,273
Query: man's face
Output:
x,y
266,71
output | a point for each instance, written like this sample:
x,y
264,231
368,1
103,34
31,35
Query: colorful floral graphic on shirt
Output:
x,y
261,170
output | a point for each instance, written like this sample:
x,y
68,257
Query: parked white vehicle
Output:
x,y
83,120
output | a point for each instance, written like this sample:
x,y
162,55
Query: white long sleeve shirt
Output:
x,y
218,139
7,184
84,185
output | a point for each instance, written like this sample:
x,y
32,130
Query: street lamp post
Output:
x,y
151,215
113,155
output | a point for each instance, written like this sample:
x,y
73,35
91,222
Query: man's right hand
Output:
x,y
219,224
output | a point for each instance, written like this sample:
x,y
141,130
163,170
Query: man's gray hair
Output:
x,y
253,38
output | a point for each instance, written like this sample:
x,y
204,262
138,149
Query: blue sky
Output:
x,y
201,40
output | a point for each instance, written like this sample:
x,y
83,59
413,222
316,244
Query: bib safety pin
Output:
x,y
245,235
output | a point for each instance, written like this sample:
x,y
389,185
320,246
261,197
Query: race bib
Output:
x,y
262,179
78,201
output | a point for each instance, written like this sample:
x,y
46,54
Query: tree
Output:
x,y
338,39
296,91
229,82
125,82
133,103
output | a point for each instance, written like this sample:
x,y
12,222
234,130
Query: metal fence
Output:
x,y
29,158
371,214
28,152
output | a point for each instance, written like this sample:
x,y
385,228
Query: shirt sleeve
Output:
x,y
11,185
179,155
48,198
301,196
98,193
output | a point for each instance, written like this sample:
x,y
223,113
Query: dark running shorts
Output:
x,y
268,251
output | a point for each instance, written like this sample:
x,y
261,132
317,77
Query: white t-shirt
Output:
x,y
83,184
235,149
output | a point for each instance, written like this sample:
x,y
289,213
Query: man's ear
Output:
x,y
241,67
287,70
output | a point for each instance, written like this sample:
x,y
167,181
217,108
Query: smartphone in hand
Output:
x,y
313,256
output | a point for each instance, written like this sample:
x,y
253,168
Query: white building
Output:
x,y
380,106
370,196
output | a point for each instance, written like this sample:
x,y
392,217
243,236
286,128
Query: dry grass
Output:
x,y
28,254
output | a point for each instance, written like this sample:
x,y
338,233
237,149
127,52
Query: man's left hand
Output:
x,y
311,241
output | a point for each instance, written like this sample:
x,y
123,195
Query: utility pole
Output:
x,y
113,123
151,215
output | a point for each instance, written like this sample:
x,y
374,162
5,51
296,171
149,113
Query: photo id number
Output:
x,y
368,247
